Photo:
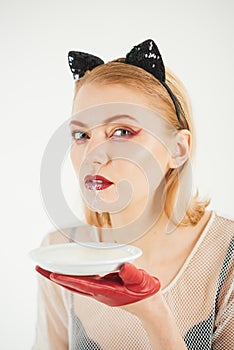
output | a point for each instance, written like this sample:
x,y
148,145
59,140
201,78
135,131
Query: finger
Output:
x,y
79,284
71,289
83,284
72,283
43,272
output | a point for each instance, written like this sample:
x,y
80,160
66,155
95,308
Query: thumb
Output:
x,y
130,274
138,280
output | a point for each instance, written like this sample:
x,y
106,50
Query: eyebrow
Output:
x,y
107,120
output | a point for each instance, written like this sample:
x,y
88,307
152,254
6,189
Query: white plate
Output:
x,y
84,259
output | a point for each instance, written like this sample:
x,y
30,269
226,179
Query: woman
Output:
x,y
179,293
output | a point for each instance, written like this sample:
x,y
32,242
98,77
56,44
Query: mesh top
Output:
x,y
201,298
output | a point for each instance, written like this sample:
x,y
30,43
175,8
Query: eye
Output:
x,y
123,133
79,135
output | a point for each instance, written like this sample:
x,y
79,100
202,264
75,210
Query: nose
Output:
x,y
97,148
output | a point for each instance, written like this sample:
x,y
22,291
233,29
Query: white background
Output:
x,y
196,41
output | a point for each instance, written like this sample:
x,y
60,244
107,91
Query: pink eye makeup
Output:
x,y
80,136
125,133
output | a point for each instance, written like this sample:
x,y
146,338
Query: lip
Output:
x,y
96,182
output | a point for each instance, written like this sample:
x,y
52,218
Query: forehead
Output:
x,y
93,94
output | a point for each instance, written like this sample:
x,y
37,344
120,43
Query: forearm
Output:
x,y
158,323
162,329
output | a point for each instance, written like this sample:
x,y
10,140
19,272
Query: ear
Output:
x,y
182,148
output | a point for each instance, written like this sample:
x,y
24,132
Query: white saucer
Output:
x,y
93,258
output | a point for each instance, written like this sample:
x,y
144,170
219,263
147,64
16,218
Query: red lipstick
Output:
x,y
96,182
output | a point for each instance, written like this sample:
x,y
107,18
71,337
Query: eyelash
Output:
x,y
81,133
129,134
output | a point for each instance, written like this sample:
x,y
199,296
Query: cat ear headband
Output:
x,y
145,55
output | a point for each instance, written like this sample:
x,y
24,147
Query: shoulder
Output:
x,y
57,237
216,244
220,236
223,216
222,225
79,233
225,295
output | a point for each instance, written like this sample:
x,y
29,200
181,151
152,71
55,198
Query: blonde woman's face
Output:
x,y
116,149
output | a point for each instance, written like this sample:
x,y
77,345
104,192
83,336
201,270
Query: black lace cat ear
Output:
x,y
147,56
80,62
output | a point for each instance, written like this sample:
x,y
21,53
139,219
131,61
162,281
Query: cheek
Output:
x,y
161,155
76,157
125,169
134,174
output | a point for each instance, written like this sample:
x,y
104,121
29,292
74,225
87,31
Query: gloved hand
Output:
x,y
115,289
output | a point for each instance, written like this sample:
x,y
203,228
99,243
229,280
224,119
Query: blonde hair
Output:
x,y
117,72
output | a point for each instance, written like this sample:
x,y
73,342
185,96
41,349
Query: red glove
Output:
x,y
115,289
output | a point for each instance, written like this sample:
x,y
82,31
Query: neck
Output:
x,y
140,218
158,245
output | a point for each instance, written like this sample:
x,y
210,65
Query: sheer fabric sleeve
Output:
x,y
223,338
52,315
51,328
